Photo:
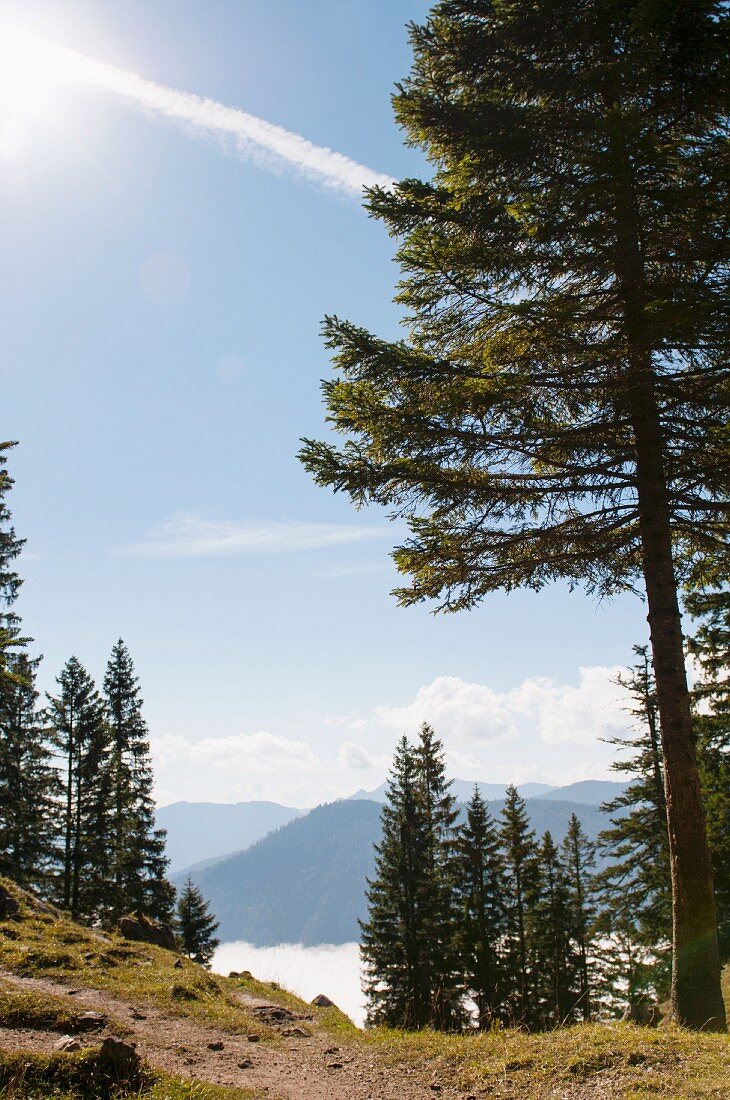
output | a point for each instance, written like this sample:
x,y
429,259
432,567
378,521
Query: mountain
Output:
x,y
592,792
462,790
205,830
305,883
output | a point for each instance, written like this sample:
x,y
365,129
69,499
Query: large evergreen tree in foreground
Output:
x,y
559,409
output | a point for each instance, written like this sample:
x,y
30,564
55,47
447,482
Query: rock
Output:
x,y
274,1014
254,1038
215,1046
89,1021
334,1065
245,1064
136,926
643,1011
67,1044
332,1050
118,1061
295,1033
8,905
178,964
322,1002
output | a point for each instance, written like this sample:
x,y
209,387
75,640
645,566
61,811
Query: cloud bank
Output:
x,y
189,536
247,136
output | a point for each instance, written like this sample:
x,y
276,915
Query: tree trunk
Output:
x,y
696,994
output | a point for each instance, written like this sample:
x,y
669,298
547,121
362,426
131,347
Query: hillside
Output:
x,y
202,1037
305,883
205,830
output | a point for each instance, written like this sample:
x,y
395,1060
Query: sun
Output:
x,y
30,68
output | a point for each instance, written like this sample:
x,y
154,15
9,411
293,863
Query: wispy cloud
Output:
x,y
189,536
249,137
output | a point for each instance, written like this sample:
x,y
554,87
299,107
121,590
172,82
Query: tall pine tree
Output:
x,y
138,860
521,875
10,582
709,604
439,916
482,921
27,809
559,408
553,960
77,716
29,788
578,856
635,884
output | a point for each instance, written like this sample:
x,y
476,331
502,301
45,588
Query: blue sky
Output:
x,y
161,298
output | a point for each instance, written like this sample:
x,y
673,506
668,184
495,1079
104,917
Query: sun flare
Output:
x,y
29,70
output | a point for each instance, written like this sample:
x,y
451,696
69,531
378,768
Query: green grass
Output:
x,y
616,1061
77,1077
22,1008
43,943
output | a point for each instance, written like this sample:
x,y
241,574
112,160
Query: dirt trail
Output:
x,y
316,1067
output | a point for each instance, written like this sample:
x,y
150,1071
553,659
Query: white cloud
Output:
x,y
354,757
240,753
248,137
189,536
458,709
595,709
474,713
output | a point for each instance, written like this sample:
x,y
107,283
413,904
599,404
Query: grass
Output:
x,y
42,943
616,1061
77,1077
22,1008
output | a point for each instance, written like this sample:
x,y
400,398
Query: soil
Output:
x,y
307,1064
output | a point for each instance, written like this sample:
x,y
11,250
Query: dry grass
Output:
x,y
606,1061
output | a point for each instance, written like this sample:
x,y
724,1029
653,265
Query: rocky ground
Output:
x,y
302,1062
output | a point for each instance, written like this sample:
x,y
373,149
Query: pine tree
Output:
x,y
29,810
559,408
396,982
635,886
578,857
521,876
709,604
553,960
139,864
482,922
10,582
195,925
78,719
439,915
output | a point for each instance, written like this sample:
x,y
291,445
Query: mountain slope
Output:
x,y
302,884
305,883
205,830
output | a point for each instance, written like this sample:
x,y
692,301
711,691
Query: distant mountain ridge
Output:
x,y
591,792
305,882
206,830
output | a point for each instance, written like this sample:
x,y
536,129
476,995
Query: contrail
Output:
x,y
248,136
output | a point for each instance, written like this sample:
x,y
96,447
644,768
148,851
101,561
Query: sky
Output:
x,y
179,209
